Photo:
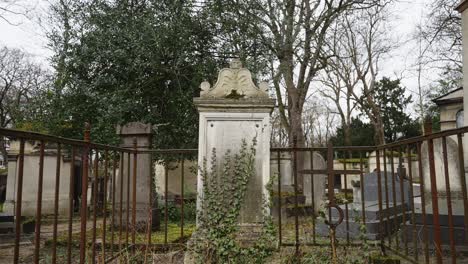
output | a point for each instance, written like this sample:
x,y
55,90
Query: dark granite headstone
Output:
x,y
391,187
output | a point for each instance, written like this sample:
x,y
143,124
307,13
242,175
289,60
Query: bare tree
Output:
x,y
293,35
443,35
340,79
319,123
21,81
11,11
363,41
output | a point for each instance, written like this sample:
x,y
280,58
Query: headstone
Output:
x,y
232,110
392,189
129,133
312,192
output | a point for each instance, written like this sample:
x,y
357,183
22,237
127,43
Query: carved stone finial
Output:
x,y
235,64
234,82
204,87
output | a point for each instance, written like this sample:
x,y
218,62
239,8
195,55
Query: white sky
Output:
x,y
29,36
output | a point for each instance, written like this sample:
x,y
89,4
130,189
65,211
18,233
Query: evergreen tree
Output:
x,y
122,61
393,103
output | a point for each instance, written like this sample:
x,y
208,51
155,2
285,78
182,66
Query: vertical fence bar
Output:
x,y
361,178
37,237
166,187
411,200
150,202
182,199
296,205
388,225
423,204
19,199
121,174
312,194
345,176
95,198
149,225
402,195
453,252
71,204
84,195
104,207
128,201
280,232
435,199
379,194
463,183
394,199
56,198
331,199
114,174
134,190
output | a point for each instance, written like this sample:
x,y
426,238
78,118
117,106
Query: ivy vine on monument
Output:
x,y
224,189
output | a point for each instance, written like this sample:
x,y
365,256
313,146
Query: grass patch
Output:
x,y
158,237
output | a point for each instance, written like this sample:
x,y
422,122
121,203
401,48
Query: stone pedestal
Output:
x,y
129,133
234,109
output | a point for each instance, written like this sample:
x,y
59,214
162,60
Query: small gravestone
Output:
x,y
312,197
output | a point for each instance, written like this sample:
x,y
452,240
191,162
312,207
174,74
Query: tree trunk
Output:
x,y
296,135
347,134
379,136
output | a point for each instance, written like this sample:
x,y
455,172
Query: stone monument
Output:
x,y
129,133
232,110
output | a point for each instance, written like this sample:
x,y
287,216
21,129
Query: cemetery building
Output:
x,y
451,109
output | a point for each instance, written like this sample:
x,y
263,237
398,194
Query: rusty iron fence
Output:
x,y
407,218
417,214
98,228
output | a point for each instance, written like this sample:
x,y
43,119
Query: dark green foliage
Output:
x,y
393,102
131,61
362,134
174,212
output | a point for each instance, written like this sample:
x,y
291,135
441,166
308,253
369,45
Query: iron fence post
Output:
x,y
84,194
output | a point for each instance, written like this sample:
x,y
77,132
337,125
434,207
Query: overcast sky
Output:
x,y
29,36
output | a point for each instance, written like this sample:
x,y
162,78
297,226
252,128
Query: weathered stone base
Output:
x,y
142,217
28,208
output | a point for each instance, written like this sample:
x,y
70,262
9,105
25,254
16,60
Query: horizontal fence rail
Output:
x,y
408,197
